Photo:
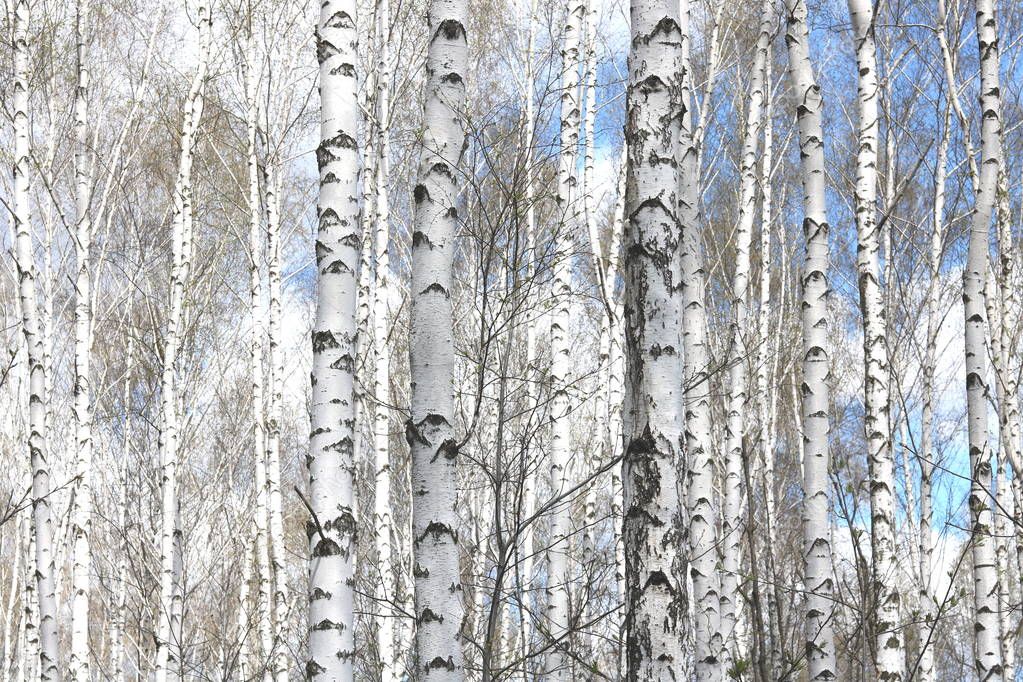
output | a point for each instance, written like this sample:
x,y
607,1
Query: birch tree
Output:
x,y
167,658
274,419
388,587
80,663
731,526
699,461
558,578
886,594
332,529
430,430
256,351
814,401
988,663
42,533
928,457
655,603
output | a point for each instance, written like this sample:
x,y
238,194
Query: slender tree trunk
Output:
x,y
615,402
273,426
815,405
890,650
766,392
731,527
79,664
120,602
45,570
29,668
528,467
332,529
558,576
13,654
1006,535
244,648
985,576
256,353
655,604
700,507
387,586
927,458
167,653
430,430
1003,510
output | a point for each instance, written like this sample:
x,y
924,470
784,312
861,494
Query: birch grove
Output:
x,y
512,340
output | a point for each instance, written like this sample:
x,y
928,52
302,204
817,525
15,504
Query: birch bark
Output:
x,y
927,459
731,528
528,466
45,570
79,665
558,577
655,604
988,664
167,657
699,456
814,401
890,650
256,353
332,530
388,589
430,430
275,411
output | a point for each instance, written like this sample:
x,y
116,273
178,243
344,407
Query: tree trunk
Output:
x,y
167,656
927,457
256,352
79,664
558,572
655,604
332,530
985,576
815,405
387,585
45,570
699,462
430,430
890,650
731,526
273,425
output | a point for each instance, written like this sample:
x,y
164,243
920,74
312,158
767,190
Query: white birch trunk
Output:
x,y
244,648
79,663
274,415
558,576
430,430
700,507
815,407
766,392
387,585
1006,535
988,664
890,650
167,659
332,530
655,605
45,570
527,469
256,352
928,611
120,603
732,527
